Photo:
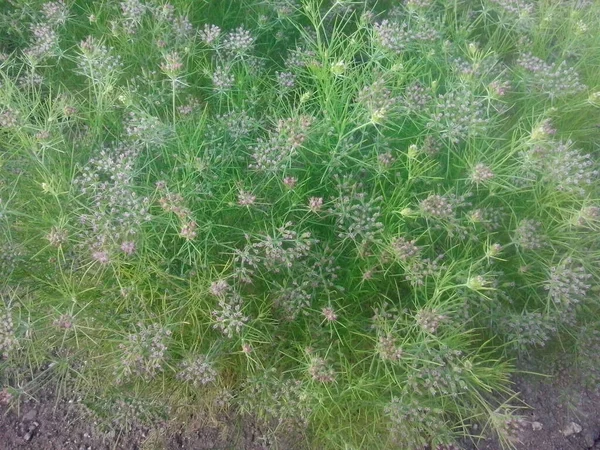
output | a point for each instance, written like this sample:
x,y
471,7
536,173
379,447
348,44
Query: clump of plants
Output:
x,y
344,219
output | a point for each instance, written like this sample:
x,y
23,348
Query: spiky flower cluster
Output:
x,y
285,8
8,340
229,317
405,249
182,29
56,12
246,198
377,99
198,371
544,130
174,203
274,153
553,80
294,298
437,206
282,400
133,11
298,58
508,425
329,314
388,349
481,174
147,130
588,216
415,98
9,118
383,315
178,26
210,34
219,288
528,329
116,213
357,214
458,114
418,3
57,236
285,247
315,204
439,372
238,42
514,7
246,261
235,124
64,322
96,61
45,41
286,80
429,320
418,270
320,370
144,352
489,218
385,159
568,283
561,165
398,37
10,255
431,146
5,396
528,235
323,270
222,79
481,70
127,413
171,64
412,423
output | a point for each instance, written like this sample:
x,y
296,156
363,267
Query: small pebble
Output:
x,y
572,428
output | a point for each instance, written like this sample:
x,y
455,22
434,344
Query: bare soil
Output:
x,y
562,411
564,414
50,424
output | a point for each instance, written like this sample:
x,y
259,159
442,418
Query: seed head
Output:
x,y
315,204
320,370
290,182
329,314
481,174
246,198
171,64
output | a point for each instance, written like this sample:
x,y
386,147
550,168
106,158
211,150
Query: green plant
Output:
x,y
341,217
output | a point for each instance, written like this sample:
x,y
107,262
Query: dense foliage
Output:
x,y
344,219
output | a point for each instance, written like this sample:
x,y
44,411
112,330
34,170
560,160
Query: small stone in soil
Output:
x,y
572,428
537,426
30,429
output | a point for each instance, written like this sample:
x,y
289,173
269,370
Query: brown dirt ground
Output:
x,y
563,410
564,415
44,423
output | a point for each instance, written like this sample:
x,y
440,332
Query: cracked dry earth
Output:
x,y
564,415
